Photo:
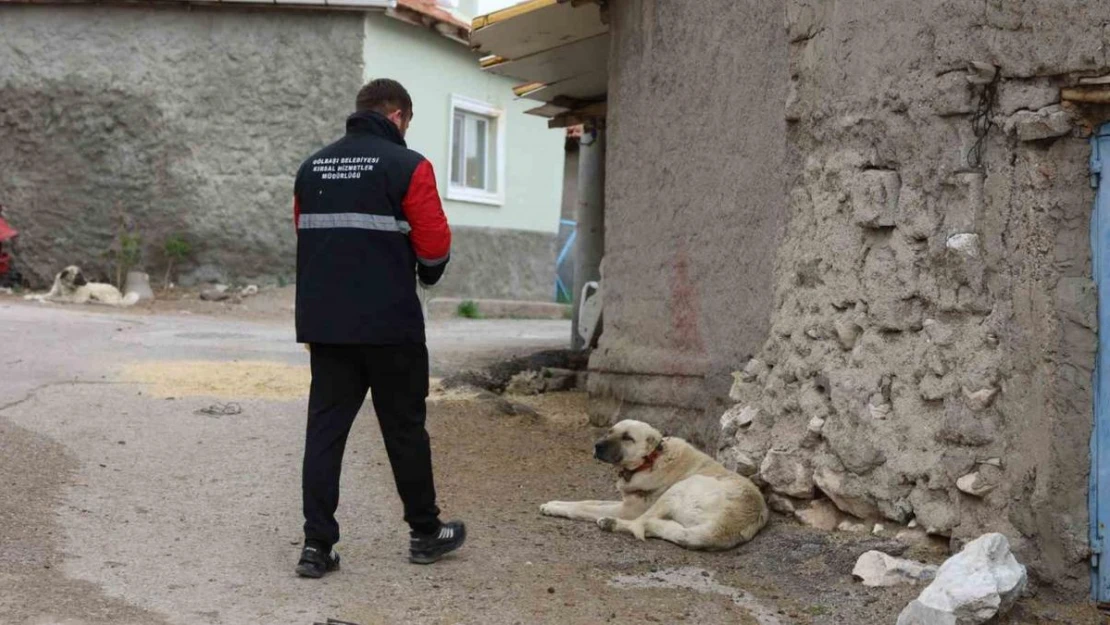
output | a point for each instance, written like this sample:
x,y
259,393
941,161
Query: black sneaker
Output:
x,y
428,548
316,561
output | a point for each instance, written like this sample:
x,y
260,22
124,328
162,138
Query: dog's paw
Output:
x,y
607,524
548,509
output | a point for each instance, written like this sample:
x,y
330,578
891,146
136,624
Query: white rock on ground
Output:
x,y
971,587
876,568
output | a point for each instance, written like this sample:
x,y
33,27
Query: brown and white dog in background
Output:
x,y
670,490
71,287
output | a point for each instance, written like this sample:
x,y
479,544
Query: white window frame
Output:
x,y
466,194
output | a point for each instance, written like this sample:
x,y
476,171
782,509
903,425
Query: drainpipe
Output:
x,y
590,242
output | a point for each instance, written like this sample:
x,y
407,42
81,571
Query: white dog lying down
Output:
x,y
671,491
70,287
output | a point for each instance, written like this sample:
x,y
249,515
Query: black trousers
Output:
x,y
397,377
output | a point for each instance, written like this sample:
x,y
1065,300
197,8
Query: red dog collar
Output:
x,y
649,461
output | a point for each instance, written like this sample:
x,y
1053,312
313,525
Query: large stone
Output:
x,y
737,418
976,484
735,460
741,387
787,474
899,510
850,444
934,510
1047,123
982,581
847,492
755,370
877,569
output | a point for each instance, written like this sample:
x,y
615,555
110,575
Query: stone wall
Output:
x,y
168,120
496,263
693,206
910,312
933,328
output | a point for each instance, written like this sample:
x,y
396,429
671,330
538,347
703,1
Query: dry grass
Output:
x,y
225,380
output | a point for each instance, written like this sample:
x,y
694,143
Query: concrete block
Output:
x,y
1047,123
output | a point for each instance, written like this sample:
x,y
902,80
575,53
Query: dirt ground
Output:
x,y
124,502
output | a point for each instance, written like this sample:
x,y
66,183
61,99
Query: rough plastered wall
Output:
x,y
933,328
693,206
182,120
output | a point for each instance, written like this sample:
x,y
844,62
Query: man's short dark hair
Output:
x,y
384,96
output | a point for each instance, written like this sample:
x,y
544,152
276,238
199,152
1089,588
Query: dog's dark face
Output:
x,y
71,277
627,443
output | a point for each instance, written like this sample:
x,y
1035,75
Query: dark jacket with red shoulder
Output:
x,y
369,221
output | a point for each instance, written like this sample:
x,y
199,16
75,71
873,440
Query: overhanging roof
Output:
x,y
559,49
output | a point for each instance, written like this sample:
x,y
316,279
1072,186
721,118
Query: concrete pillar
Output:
x,y
590,240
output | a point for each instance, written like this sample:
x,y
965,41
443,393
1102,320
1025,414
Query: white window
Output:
x,y
477,168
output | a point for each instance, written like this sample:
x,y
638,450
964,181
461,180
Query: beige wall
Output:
x,y
695,199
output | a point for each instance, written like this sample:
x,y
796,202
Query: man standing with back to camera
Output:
x,y
369,224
